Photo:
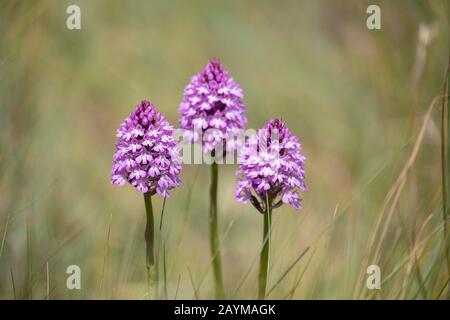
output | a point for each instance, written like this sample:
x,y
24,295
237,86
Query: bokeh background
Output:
x,y
357,99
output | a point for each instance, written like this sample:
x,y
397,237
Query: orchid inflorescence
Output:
x,y
271,171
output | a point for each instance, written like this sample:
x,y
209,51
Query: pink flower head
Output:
x,y
212,108
146,154
271,169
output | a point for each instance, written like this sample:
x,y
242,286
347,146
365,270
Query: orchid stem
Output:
x,y
264,257
149,236
214,239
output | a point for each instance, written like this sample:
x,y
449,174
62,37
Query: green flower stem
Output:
x,y
214,238
149,239
264,257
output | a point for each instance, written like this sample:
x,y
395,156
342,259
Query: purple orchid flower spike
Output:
x,y
212,108
212,113
147,156
271,173
275,171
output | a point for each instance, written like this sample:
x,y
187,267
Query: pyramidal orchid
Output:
x,y
211,112
148,158
271,173
212,108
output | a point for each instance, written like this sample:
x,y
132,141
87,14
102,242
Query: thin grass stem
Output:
x,y
13,283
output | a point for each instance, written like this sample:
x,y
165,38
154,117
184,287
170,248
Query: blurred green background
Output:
x,y
355,97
